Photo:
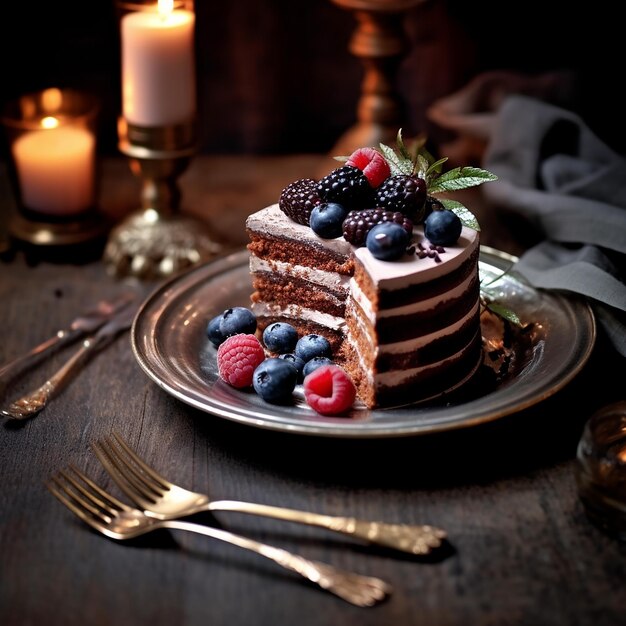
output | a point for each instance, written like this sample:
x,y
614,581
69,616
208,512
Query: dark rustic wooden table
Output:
x,y
521,552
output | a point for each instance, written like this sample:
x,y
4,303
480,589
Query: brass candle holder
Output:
x,y
380,43
157,240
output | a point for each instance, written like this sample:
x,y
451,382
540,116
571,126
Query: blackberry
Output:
x,y
403,193
347,186
297,200
358,223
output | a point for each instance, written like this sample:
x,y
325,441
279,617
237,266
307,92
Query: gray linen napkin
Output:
x,y
572,187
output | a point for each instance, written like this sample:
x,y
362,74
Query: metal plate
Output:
x,y
170,344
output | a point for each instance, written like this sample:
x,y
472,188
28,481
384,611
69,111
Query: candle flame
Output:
x,y
51,99
49,122
165,7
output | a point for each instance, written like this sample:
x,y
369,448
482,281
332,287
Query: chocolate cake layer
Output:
x,y
284,290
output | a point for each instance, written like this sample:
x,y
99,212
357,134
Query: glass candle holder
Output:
x,y
601,468
52,163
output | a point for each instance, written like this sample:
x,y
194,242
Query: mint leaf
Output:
x,y
504,312
465,215
397,164
402,149
422,166
461,178
434,168
343,159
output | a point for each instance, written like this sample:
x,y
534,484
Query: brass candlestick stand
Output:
x,y
158,241
380,42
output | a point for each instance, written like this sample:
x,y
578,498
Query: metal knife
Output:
x,y
33,402
86,323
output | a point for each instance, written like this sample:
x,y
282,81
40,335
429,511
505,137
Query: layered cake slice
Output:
x,y
298,277
412,326
395,289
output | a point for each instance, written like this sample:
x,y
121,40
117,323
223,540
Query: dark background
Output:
x,y
275,76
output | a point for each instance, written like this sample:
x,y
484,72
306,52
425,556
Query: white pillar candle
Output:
x,y
55,168
158,67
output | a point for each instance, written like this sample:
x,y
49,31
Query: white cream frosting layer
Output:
x,y
410,269
330,280
410,345
397,377
272,221
264,309
407,309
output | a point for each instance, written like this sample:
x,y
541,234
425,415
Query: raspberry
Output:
x,y
347,186
297,200
372,163
403,193
329,390
358,223
237,358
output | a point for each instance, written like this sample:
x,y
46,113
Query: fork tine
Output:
x,y
124,475
159,480
70,488
81,513
108,502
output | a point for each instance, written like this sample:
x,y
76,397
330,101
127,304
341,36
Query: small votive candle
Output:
x,y
52,142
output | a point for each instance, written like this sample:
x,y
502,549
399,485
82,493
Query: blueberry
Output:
x,y
237,320
314,363
213,331
443,228
274,380
311,346
296,361
280,337
327,219
387,241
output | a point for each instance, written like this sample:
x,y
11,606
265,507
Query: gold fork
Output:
x,y
161,499
117,520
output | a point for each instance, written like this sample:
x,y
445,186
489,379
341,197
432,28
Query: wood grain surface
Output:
x,y
521,550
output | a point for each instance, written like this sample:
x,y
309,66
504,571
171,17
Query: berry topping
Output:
x,y
274,380
213,331
280,337
358,223
314,363
372,163
346,185
387,241
327,219
311,346
236,321
329,390
298,199
443,228
296,361
432,204
403,193
237,358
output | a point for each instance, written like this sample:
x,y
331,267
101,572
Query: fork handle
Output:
x,y
354,588
414,539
